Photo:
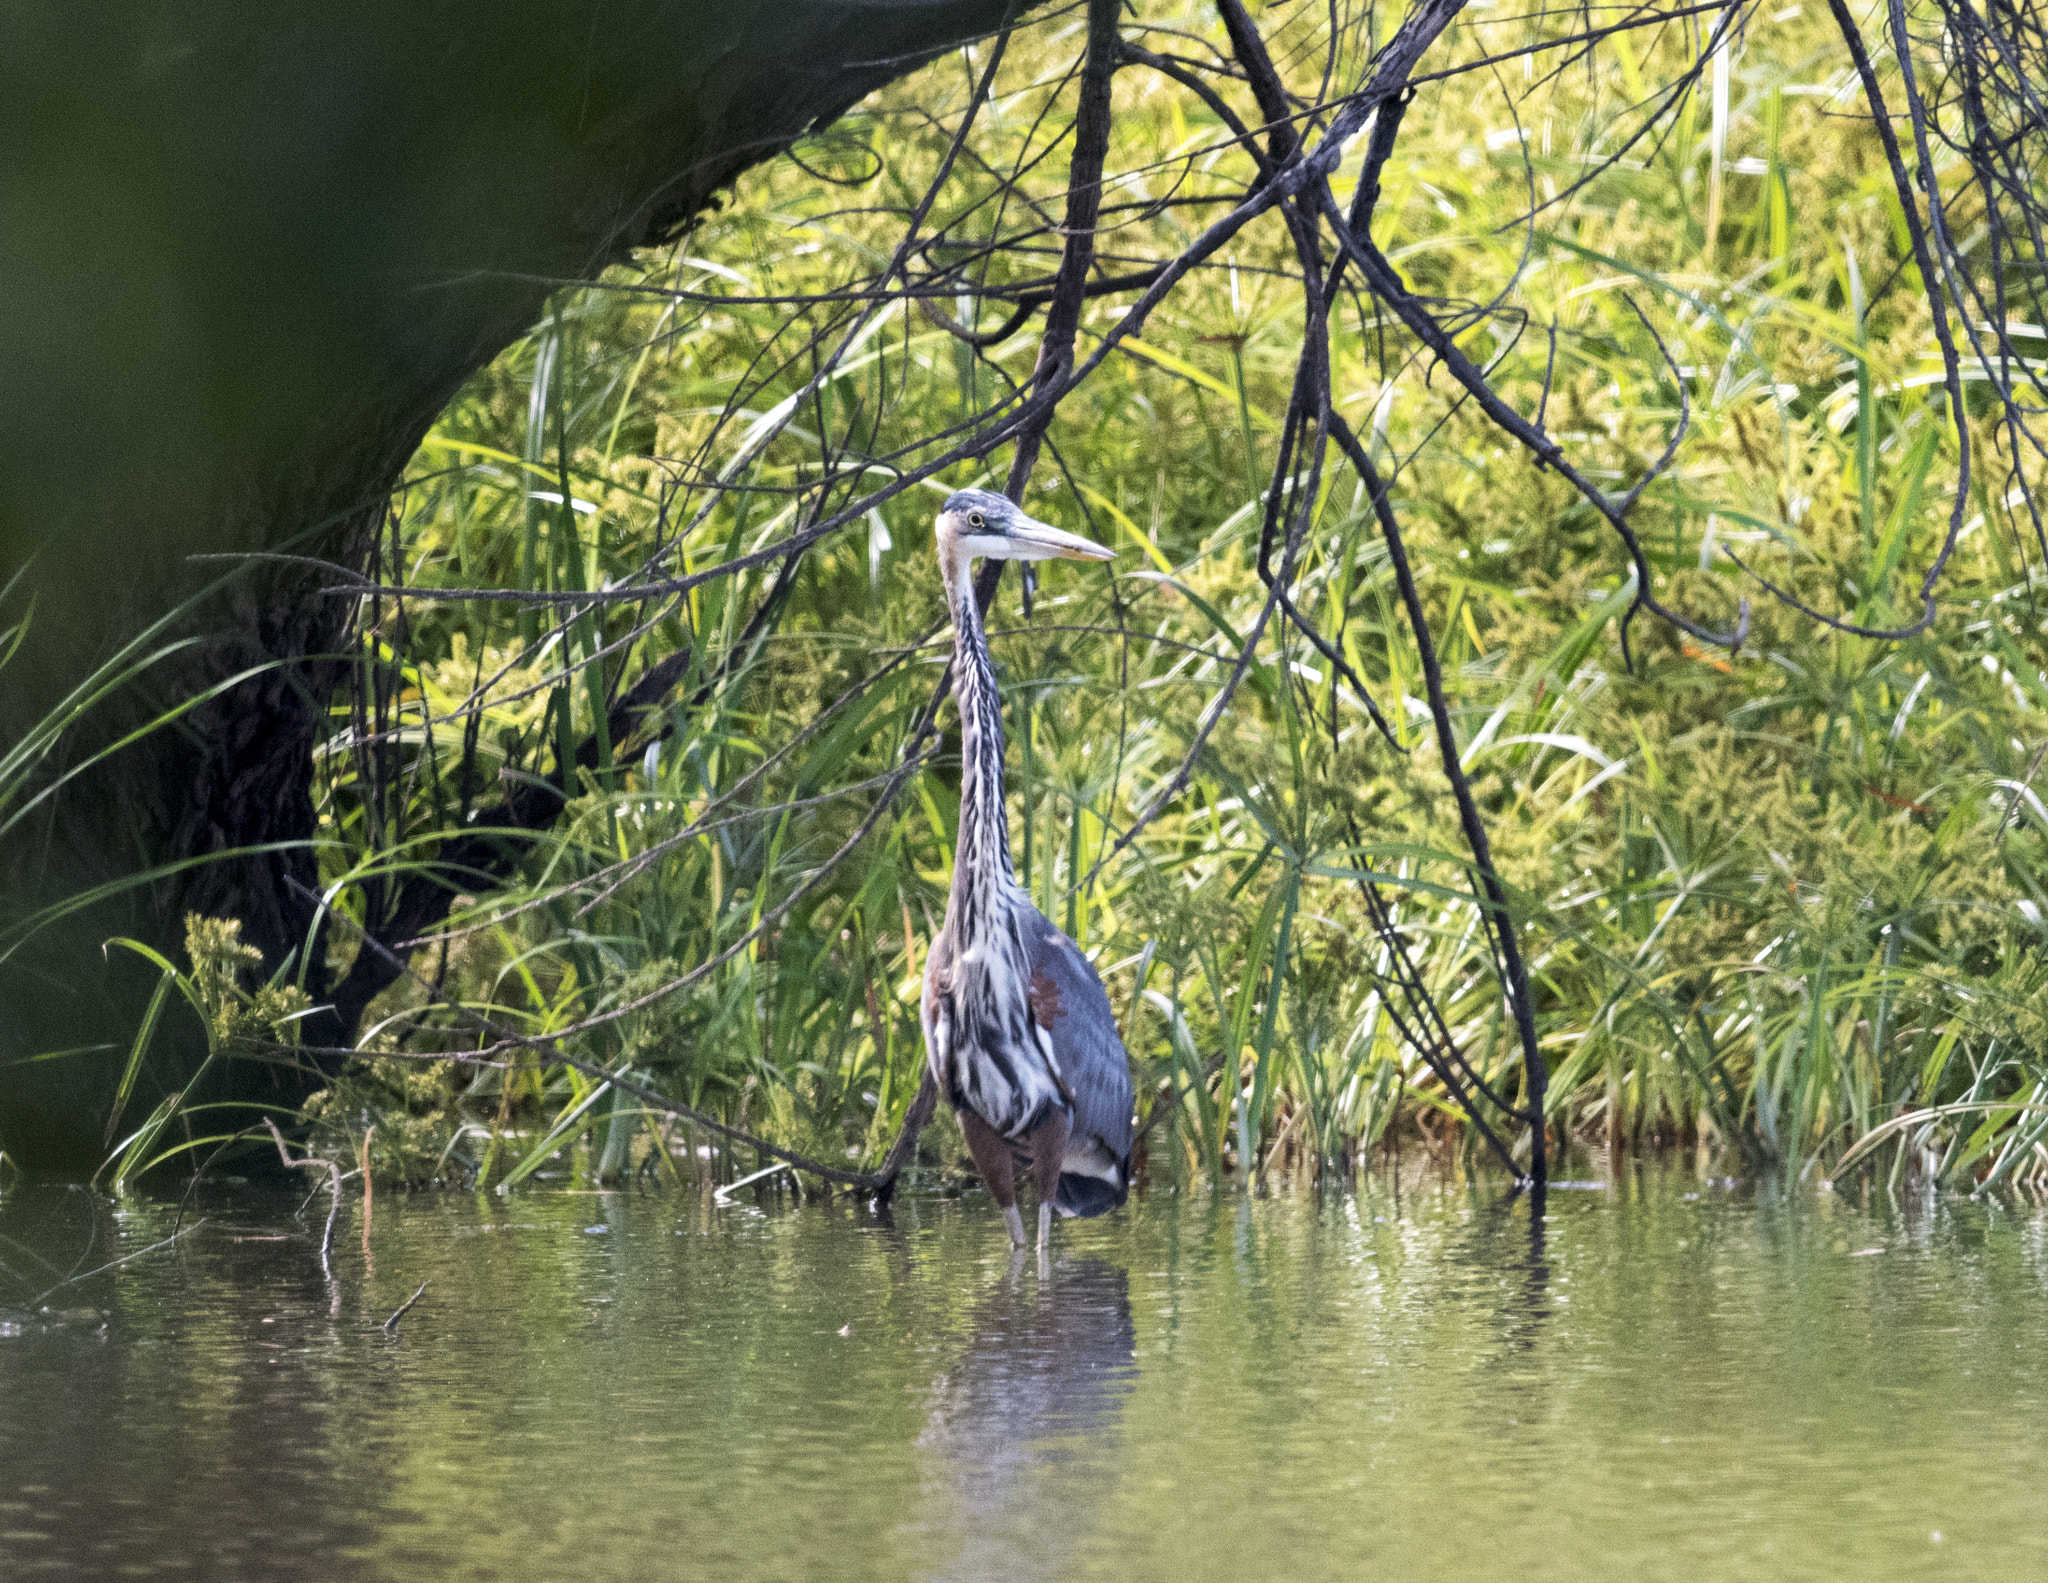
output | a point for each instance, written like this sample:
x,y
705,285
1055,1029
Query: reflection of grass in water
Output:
x,y
645,1395
1770,897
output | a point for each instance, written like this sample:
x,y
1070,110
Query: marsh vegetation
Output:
x,y
640,787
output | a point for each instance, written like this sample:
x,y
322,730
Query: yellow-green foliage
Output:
x,y
237,1019
1768,895
399,1103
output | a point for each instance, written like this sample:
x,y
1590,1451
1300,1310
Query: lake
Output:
x,y
1675,1376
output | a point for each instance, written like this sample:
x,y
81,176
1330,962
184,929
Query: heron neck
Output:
x,y
981,857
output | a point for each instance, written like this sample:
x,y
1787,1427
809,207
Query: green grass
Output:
x,y
1774,902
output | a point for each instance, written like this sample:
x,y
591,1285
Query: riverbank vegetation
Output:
x,y
1780,901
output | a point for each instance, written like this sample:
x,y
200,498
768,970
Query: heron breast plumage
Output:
x,y
988,1048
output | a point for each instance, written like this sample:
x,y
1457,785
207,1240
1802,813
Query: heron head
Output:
x,y
980,522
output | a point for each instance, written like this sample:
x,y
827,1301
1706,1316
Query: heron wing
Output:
x,y
1068,1000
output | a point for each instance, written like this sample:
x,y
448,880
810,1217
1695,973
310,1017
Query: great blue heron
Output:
x,y
1016,1025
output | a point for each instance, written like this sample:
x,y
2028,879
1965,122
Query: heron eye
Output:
x,y
976,520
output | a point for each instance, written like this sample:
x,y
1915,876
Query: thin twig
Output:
x,y
313,1162
117,1263
390,1326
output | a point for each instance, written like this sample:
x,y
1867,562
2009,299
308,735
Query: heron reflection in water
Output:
x,y
1020,1427
1017,1028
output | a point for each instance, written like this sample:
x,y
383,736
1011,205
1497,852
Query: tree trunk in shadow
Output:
x,y
252,251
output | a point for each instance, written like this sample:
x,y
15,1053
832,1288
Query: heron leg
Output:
x,y
991,1154
1048,1153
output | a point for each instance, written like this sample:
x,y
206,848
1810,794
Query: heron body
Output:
x,y
1017,1027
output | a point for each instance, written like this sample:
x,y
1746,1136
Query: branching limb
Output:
x,y
313,1162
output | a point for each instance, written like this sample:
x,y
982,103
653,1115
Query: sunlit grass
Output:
x,y
1774,900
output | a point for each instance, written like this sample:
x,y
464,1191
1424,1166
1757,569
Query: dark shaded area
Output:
x,y
250,254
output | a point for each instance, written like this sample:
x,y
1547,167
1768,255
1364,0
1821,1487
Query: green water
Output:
x,y
1681,1379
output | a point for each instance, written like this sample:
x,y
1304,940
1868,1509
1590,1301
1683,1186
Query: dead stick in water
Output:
x,y
369,1193
390,1326
369,1190
313,1162
36,1301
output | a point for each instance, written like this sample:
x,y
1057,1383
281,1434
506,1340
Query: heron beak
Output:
x,y
1032,540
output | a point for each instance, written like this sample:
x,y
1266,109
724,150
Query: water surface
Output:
x,y
1677,1379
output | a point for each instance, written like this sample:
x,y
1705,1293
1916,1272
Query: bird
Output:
x,y
1017,1027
